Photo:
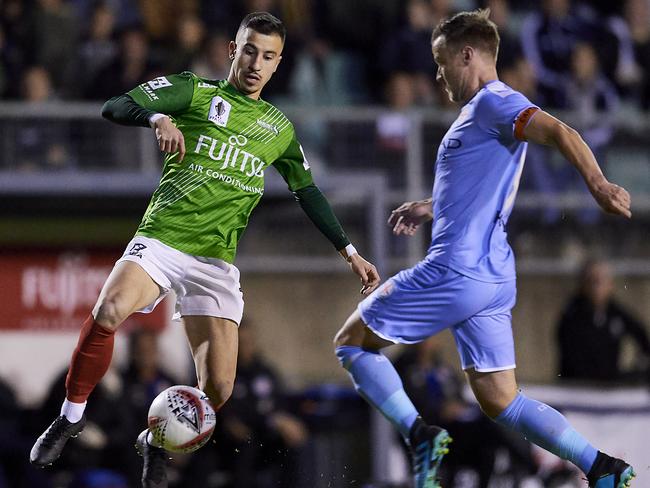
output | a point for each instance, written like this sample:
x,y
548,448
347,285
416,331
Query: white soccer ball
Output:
x,y
181,419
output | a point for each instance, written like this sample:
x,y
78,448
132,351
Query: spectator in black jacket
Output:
x,y
592,329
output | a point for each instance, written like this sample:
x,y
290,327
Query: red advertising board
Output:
x,y
56,290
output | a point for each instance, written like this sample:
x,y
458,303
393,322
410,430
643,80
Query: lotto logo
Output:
x,y
160,82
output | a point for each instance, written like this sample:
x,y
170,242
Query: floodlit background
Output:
x,y
358,81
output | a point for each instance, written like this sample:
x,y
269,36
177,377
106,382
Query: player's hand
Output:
x,y
170,139
612,198
366,272
407,218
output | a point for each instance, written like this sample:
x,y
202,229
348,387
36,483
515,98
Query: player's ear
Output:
x,y
467,53
277,63
232,49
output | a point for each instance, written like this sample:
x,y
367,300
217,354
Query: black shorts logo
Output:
x,y
135,250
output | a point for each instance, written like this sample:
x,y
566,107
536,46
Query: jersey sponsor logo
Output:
x,y
160,82
203,84
136,250
450,144
231,154
267,126
219,111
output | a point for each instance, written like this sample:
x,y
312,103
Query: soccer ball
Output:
x,y
181,419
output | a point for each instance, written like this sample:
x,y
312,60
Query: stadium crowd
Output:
x,y
584,55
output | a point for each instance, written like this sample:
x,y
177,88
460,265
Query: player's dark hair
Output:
x,y
471,28
264,23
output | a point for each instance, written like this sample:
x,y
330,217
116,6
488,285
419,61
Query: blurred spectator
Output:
x,y
40,144
260,440
637,15
510,44
144,376
592,329
613,41
98,48
160,17
592,98
105,443
133,65
13,53
436,391
408,50
548,39
213,62
143,379
15,471
53,37
186,46
393,126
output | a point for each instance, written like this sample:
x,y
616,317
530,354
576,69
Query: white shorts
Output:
x,y
203,286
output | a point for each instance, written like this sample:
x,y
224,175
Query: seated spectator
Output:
x,y
548,38
186,45
41,145
143,377
131,66
436,391
105,443
53,36
98,47
637,16
213,61
259,439
15,470
592,329
408,50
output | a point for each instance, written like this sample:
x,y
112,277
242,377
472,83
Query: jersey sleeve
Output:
x,y
293,166
505,113
166,94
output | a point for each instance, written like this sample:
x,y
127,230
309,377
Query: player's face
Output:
x,y
255,57
452,71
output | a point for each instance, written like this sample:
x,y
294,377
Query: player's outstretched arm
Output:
x,y
545,129
319,211
407,218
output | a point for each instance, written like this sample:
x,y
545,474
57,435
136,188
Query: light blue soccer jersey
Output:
x,y
478,167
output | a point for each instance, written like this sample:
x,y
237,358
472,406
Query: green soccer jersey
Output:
x,y
203,203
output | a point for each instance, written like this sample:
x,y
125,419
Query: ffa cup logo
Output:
x,y
219,111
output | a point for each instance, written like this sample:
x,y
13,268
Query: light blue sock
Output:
x,y
376,380
549,429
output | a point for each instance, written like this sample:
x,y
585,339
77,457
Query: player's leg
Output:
x,y
376,380
127,289
373,375
213,342
486,347
499,398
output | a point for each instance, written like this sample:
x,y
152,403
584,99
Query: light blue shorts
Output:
x,y
423,300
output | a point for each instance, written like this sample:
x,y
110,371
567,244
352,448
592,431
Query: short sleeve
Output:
x,y
293,166
166,94
505,112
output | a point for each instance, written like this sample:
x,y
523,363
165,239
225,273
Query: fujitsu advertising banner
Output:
x,y
56,290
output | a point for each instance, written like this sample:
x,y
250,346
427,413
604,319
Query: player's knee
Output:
x,y
351,334
219,392
493,406
108,313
